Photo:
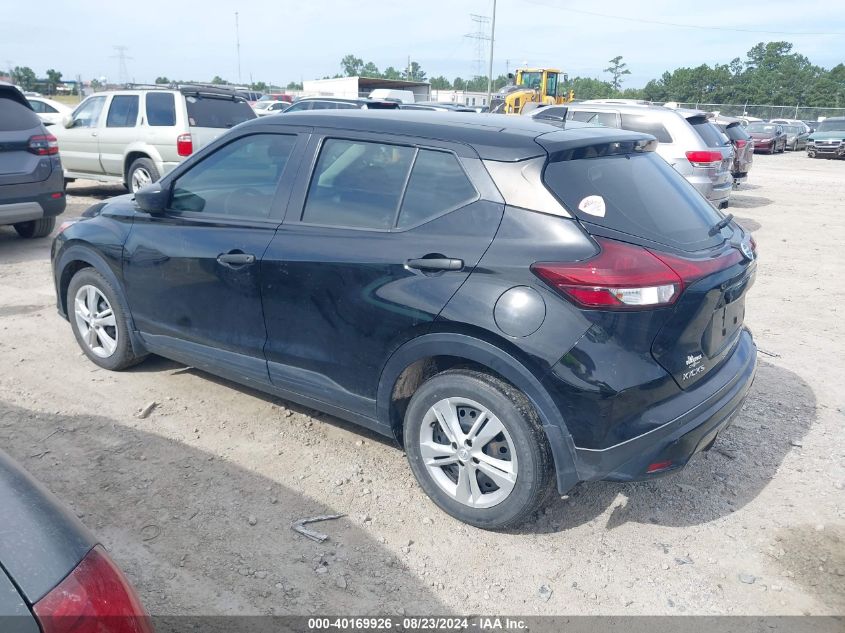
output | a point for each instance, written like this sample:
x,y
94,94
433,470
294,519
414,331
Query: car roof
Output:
x,y
493,136
635,108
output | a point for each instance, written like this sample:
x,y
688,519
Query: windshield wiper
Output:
x,y
721,224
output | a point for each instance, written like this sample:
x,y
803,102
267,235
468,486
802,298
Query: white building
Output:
x,y
355,87
462,97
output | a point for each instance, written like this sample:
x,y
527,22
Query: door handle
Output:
x,y
435,263
236,259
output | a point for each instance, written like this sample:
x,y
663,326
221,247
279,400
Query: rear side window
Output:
x,y
217,113
15,117
357,184
437,185
636,123
123,111
708,132
736,132
161,109
639,194
605,119
298,107
43,108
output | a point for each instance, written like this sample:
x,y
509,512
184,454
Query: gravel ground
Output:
x,y
195,501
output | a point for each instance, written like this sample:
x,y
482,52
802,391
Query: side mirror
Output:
x,y
152,198
67,121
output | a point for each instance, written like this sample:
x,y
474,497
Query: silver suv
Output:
x,y
136,136
687,139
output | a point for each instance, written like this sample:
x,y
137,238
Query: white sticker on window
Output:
x,y
594,205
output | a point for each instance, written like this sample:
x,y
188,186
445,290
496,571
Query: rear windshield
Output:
x,y
767,128
219,113
15,117
638,194
736,132
831,126
708,132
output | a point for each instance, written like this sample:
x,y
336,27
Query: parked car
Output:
x,y
768,137
448,105
796,136
434,107
743,146
276,97
133,137
32,189
250,96
518,305
387,94
828,141
50,111
54,574
687,139
797,122
263,108
336,103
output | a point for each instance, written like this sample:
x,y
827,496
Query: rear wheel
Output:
x,y
142,172
477,448
36,228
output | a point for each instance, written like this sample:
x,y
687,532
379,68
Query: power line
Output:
x,y
121,57
679,25
480,36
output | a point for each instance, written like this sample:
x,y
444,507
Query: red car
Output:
x,y
768,137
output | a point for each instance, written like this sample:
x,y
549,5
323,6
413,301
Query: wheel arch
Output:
x,y
134,152
418,359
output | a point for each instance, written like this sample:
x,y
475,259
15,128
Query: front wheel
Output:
x,y
36,228
476,447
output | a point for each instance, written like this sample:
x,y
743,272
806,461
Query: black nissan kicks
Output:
x,y
519,305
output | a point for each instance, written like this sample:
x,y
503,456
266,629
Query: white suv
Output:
x,y
136,136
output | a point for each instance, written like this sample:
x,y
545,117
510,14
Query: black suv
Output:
x,y
32,188
517,304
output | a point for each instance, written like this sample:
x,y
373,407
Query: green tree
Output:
x,y
259,86
24,77
459,83
294,85
391,73
414,73
162,80
370,70
440,83
96,85
589,88
218,80
54,78
617,70
352,65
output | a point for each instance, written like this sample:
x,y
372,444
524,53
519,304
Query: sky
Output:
x,y
287,40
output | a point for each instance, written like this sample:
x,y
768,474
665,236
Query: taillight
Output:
x,y
95,597
704,158
740,143
184,145
628,277
43,145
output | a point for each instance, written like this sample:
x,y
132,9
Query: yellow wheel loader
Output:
x,y
531,85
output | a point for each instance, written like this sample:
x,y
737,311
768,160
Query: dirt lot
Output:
x,y
196,500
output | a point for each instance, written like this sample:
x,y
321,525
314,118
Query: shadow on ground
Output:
x,y
177,520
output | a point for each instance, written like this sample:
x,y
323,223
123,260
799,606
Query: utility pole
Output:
x,y
238,45
490,66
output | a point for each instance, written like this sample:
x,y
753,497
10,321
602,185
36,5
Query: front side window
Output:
x,y
88,113
237,180
161,109
437,185
123,111
357,184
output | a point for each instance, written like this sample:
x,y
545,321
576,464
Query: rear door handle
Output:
x,y
435,263
236,259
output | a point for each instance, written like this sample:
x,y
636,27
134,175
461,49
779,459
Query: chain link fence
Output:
x,y
767,111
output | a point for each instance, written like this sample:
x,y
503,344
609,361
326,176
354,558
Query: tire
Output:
x,y
795,146
36,228
525,478
94,340
141,172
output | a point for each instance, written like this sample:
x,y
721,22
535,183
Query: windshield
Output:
x,y
764,128
532,80
831,126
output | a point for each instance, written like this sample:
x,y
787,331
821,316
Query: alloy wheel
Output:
x,y
96,321
140,178
468,452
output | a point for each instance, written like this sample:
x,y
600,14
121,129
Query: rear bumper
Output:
x,y
706,411
32,201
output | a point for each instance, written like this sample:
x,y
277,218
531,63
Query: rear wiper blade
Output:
x,y
721,224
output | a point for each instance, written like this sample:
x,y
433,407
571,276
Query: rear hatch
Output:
x,y
24,141
717,160
211,113
743,145
623,194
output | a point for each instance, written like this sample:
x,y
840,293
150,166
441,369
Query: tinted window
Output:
x,y
708,132
636,123
123,111
237,180
219,113
643,195
161,109
736,132
302,105
41,107
606,119
357,184
438,184
553,114
14,116
88,112
830,126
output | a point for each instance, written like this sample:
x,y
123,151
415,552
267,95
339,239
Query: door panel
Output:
x,y
119,130
79,145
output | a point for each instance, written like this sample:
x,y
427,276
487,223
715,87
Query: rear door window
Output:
x,y
639,194
357,184
437,185
736,132
708,132
217,113
643,124
123,111
605,119
161,109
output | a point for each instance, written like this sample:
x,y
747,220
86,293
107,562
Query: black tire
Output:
x,y
141,164
534,475
123,355
36,228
